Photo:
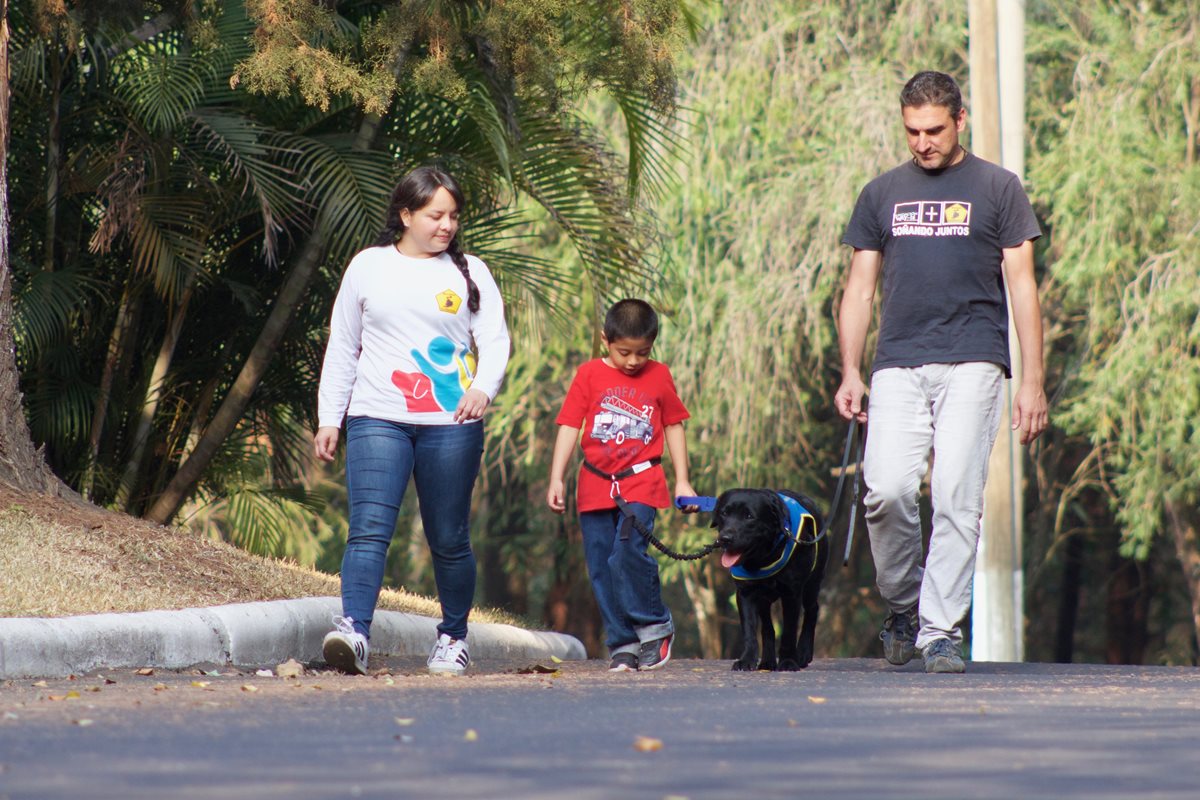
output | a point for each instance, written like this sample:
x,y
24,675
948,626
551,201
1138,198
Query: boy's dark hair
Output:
x,y
931,88
631,319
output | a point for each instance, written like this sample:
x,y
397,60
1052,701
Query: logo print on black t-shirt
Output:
x,y
932,218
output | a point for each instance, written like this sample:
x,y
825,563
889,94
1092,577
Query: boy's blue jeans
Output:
x,y
443,460
624,578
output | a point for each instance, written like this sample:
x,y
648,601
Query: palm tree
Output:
x,y
171,341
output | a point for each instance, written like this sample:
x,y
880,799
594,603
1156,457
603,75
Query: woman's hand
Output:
x,y
471,406
325,443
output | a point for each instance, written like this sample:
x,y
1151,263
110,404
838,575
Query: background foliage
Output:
x,y
172,166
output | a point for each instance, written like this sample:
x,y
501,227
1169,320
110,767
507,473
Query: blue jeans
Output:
x,y
624,578
443,460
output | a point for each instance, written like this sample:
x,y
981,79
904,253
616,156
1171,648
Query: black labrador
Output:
x,y
749,524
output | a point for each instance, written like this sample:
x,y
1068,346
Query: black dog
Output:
x,y
749,525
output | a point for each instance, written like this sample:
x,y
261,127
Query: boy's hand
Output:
x,y
555,496
684,489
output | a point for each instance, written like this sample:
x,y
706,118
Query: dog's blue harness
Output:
x,y
799,518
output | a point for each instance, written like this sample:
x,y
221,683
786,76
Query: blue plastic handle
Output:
x,y
702,503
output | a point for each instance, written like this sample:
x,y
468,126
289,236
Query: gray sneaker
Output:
x,y
899,637
942,655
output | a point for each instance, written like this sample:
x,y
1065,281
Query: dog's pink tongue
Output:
x,y
728,560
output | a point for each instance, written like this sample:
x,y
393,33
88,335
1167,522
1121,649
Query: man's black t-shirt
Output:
x,y
941,233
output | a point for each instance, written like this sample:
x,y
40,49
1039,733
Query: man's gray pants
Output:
x,y
954,411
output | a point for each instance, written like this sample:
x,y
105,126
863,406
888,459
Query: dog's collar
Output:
x,y
798,518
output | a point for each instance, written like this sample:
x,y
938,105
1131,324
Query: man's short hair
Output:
x,y
631,319
931,88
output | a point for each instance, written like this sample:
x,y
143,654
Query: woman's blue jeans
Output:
x,y
443,461
624,578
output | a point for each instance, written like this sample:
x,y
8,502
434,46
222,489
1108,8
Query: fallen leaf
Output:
x,y
265,673
56,697
556,659
816,700
537,669
83,723
389,681
143,671
404,722
11,715
109,682
72,695
470,735
160,687
200,684
41,684
403,738
290,669
216,673
248,688
647,744
93,688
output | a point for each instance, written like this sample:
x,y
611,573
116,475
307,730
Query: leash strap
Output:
x,y
854,501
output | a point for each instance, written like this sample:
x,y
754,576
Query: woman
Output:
x,y
417,351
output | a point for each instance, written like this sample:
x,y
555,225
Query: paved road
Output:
x,y
841,729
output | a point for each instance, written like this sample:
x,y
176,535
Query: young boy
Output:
x,y
627,406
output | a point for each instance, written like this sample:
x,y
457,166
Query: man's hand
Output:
x,y
849,397
1030,412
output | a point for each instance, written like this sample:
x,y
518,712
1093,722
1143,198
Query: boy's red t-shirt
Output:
x,y
622,418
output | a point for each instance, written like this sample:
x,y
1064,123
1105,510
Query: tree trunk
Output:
x,y
698,580
21,465
1127,612
100,411
1182,523
166,352
1068,601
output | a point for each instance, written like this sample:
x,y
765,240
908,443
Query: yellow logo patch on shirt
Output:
x,y
448,301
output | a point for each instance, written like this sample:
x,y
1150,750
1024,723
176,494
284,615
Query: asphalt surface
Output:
x,y
516,728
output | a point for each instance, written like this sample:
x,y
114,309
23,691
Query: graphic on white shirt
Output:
x,y
618,421
932,218
435,388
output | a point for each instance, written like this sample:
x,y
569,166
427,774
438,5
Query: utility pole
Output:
x,y
997,114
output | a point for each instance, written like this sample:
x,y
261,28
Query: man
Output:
x,y
947,230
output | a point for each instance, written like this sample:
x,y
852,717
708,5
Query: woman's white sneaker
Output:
x,y
448,657
346,649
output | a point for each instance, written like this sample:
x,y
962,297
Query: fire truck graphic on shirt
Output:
x,y
618,421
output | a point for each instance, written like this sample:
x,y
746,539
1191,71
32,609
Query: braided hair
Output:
x,y
415,191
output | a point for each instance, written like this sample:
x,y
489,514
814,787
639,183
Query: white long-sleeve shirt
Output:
x,y
403,346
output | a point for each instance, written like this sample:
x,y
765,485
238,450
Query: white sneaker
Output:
x,y
346,649
448,657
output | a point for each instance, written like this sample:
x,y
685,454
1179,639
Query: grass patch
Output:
x,y
61,558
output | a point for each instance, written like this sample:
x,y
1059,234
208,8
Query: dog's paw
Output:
x,y
767,666
742,665
790,665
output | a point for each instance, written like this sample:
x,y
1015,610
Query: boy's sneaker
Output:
x,y
899,637
345,649
448,657
942,655
623,662
655,653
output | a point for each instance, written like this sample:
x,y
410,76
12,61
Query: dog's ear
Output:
x,y
782,517
719,510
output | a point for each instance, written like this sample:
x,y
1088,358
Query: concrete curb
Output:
x,y
245,634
